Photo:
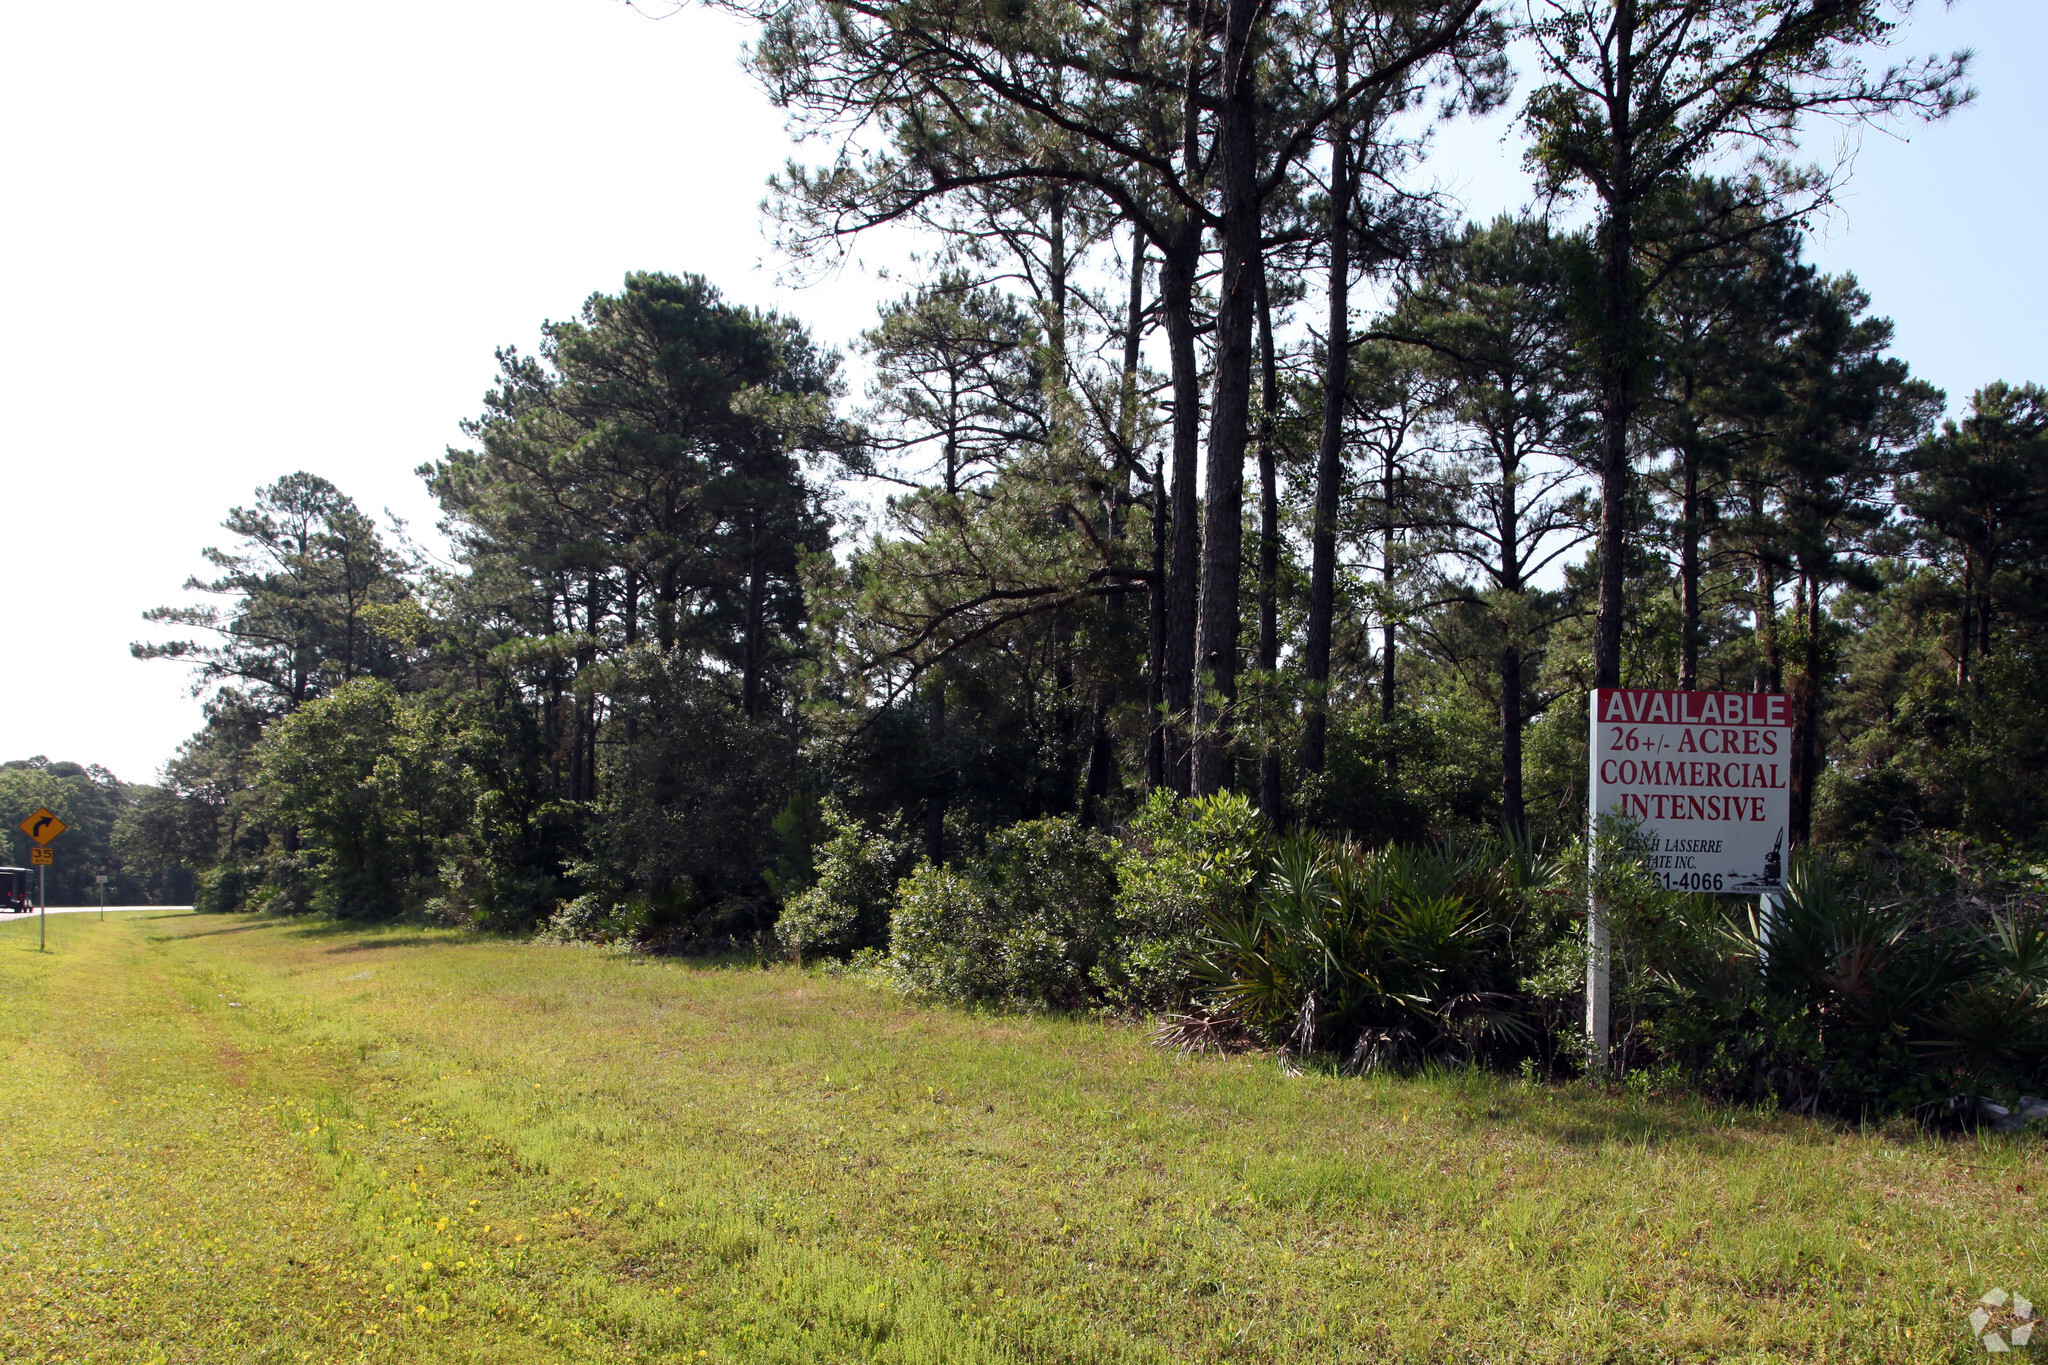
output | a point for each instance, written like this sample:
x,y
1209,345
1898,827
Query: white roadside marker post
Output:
x,y
1599,970
1599,942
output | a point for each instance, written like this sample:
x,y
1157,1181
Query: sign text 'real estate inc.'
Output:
x,y
1703,777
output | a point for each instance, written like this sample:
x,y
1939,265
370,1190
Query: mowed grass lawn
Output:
x,y
242,1140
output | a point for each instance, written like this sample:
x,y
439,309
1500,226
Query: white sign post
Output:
x,y
1702,778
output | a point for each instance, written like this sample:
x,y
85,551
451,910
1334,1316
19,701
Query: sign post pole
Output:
x,y
1769,905
1599,966
41,826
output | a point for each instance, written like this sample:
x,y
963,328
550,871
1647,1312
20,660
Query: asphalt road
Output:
x,y
88,910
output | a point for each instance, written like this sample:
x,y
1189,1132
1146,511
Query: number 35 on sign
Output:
x,y
41,856
1702,778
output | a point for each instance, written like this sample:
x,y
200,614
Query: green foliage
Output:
x,y
303,581
1424,773
1920,753
1383,957
617,717
641,478
848,907
1180,864
1852,997
684,821
368,780
109,833
225,888
1025,924
208,822
1995,1028
501,869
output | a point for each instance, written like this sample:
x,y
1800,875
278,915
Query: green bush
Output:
x,y
685,820
589,918
224,888
1861,999
847,908
1180,864
370,781
1025,924
1863,995
1387,956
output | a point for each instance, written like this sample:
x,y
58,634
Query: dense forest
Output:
x,y
1209,560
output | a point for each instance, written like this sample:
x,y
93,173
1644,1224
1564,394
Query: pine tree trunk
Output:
x,y
1127,405
1770,667
941,785
1216,625
1177,301
1269,561
1689,573
1387,635
1322,574
630,610
1155,639
1102,773
665,610
1969,601
1509,529
750,672
1616,357
584,755
1060,404
1095,786
1511,739
1805,775
1065,724
1984,614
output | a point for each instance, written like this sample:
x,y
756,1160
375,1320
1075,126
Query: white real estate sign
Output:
x,y
1703,776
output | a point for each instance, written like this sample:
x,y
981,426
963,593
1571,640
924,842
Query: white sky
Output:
x,y
242,239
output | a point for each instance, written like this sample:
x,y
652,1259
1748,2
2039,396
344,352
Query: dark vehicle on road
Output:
x,y
15,884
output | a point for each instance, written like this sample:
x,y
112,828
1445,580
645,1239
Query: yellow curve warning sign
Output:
x,y
43,826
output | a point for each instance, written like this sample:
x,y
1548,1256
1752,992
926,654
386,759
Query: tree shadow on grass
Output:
x,y
1587,1117
413,940
347,936
1577,1115
359,936
241,927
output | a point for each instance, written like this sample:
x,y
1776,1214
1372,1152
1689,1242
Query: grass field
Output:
x,y
243,1140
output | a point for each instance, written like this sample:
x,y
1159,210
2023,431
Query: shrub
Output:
x,y
1862,996
224,888
589,918
370,781
685,816
1025,924
847,908
1386,956
1180,864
